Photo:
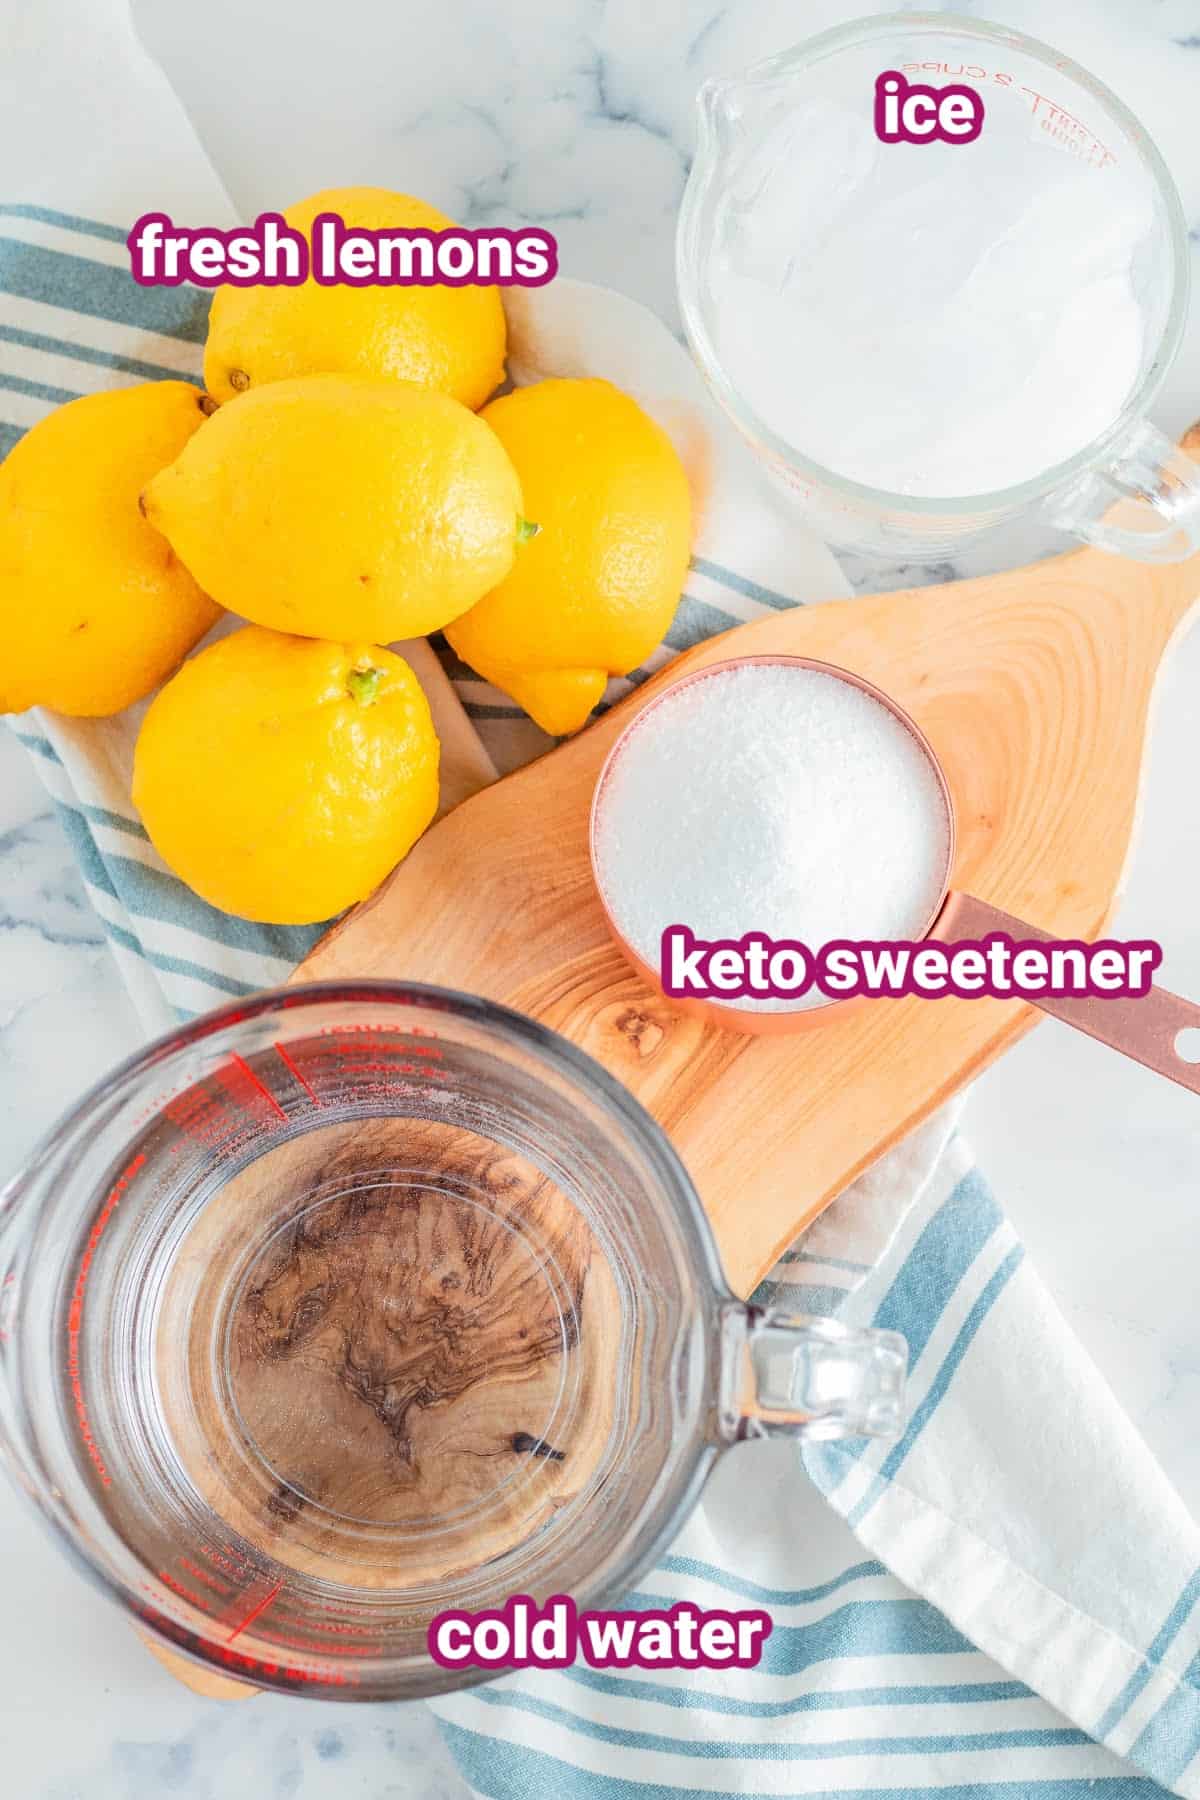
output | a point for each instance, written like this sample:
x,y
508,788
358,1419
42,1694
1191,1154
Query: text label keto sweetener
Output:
x,y
757,966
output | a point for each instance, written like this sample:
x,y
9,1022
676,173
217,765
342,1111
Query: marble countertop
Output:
x,y
579,116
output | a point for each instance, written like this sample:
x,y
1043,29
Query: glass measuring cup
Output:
x,y
347,1305
1146,1028
874,334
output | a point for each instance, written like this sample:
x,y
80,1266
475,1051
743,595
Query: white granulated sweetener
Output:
x,y
770,798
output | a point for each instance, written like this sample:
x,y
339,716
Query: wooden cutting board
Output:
x,y
1034,688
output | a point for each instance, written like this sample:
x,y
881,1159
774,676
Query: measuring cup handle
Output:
x,y
1145,1028
1144,503
787,1375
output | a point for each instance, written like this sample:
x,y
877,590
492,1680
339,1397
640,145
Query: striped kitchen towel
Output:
x,y
1001,1604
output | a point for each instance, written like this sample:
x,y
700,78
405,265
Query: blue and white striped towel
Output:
x,y
974,1611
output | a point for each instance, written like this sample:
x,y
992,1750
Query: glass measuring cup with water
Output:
x,y
348,1305
925,342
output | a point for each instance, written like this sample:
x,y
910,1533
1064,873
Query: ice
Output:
x,y
937,320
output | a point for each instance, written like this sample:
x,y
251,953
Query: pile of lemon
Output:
x,y
335,488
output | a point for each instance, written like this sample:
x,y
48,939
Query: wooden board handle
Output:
x,y
201,1680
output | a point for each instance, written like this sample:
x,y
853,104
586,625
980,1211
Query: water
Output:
x,y
369,1304
370,1355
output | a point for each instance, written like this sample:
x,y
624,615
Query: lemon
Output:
x,y
95,607
593,593
335,506
282,777
449,338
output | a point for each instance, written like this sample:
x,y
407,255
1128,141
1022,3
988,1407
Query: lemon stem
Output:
x,y
526,529
363,685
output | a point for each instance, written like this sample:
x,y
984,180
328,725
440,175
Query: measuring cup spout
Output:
x,y
788,1375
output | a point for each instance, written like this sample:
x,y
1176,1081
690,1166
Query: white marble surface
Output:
x,y
578,115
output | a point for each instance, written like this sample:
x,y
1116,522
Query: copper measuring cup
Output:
x,y
1145,1028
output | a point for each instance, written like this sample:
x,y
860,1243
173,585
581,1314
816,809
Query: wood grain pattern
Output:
x,y
385,1356
1035,689
422,1340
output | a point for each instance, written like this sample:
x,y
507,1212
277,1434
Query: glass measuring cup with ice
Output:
x,y
924,342
348,1305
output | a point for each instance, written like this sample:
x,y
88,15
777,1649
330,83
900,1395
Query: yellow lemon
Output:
x,y
595,590
335,506
95,607
282,778
450,338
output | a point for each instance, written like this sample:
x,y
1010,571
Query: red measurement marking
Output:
x,y
254,1612
306,1645
75,1316
202,1117
319,1628
358,1066
288,1063
176,1633
396,1031
202,1575
248,1072
254,1665
178,1587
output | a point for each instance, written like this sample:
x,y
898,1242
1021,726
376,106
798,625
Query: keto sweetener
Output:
x,y
773,798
